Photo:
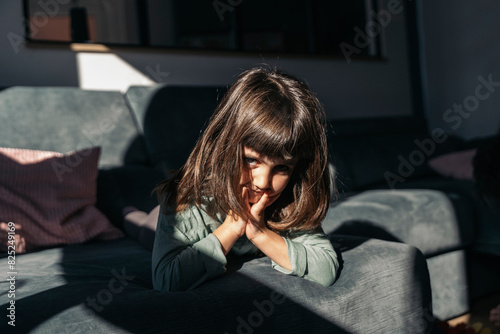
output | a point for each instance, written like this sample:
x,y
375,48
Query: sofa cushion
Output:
x,y
426,219
72,119
49,197
457,165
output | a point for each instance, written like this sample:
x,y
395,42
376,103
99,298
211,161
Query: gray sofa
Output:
x,y
380,169
105,286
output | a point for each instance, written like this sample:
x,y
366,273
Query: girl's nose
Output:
x,y
262,180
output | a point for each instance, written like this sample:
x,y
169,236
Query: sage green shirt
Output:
x,y
186,253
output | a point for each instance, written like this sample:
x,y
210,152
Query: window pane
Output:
x,y
189,24
99,21
279,25
335,23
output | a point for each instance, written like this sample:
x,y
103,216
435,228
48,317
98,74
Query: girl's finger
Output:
x,y
258,208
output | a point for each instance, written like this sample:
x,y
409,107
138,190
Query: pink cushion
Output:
x,y
457,165
50,198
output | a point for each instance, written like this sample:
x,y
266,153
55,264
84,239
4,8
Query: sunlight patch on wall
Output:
x,y
107,71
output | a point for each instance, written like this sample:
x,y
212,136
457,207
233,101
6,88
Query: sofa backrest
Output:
x,y
171,119
63,119
373,160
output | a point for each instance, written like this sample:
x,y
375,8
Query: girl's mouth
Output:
x,y
255,196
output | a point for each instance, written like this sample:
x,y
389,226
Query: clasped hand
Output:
x,y
254,226
269,242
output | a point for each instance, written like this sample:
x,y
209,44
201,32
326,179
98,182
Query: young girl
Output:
x,y
257,179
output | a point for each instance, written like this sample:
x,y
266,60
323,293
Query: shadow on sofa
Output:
x,y
366,229
106,287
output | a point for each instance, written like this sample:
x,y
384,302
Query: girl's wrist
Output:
x,y
235,225
273,245
257,234
227,234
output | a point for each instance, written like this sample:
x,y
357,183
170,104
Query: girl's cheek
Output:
x,y
271,201
244,178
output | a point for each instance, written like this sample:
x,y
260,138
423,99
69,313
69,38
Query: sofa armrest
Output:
x,y
385,282
383,287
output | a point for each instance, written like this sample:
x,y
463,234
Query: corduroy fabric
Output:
x,y
50,198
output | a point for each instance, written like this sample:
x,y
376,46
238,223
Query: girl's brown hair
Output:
x,y
276,115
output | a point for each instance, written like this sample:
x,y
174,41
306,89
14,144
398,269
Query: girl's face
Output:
x,y
262,174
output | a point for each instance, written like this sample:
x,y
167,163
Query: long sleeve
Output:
x,y
185,252
312,257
